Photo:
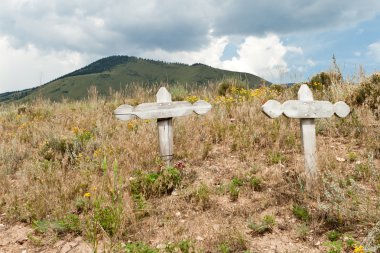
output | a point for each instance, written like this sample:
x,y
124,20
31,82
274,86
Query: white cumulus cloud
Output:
x,y
27,66
262,56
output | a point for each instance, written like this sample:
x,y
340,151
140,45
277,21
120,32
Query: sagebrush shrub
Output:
x,y
368,94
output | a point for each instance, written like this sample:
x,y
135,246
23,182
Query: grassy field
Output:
x,y
237,183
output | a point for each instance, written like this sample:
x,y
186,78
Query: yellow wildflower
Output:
x,y
192,99
75,130
97,152
87,195
132,125
359,249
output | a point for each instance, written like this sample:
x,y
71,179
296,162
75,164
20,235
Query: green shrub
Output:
x,y
334,247
233,191
352,156
275,157
224,248
109,218
333,235
184,246
265,226
223,88
368,94
155,184
279,88
201,196
67,224
256,183
139,247
320,81
303,231
141,205
237,181
301,213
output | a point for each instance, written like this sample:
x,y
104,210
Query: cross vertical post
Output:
x,y
165,129
308,137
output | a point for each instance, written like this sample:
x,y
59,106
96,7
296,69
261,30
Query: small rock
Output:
x,y
199,238
340,159
317,243
178,214
175,193
161,246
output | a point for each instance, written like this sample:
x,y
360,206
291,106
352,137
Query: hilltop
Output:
x,y
121,72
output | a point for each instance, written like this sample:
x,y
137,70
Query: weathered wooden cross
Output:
x,y
164,111
306,109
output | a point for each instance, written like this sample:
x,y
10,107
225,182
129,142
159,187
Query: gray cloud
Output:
x,y
290,16
102,28
108,27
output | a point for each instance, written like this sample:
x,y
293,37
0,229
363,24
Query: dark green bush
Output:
x,y
155,184
368,94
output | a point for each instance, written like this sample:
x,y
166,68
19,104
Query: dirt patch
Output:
x,y
15,239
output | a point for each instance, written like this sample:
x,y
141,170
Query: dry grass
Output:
x,y
69,168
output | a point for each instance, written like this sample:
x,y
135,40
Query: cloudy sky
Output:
x,y
282,41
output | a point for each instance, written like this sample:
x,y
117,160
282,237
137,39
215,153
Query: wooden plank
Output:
x,y
272,108
163,110
308,109
165,129
308,141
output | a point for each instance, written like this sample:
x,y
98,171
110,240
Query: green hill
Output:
x,y
117,72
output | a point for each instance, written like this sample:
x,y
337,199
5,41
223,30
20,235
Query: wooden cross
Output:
x,y
306,109
164,110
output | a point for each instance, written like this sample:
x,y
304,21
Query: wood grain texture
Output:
x,y
308,141
165,129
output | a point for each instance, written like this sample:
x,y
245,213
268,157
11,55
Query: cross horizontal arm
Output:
x,y
161,110
305,109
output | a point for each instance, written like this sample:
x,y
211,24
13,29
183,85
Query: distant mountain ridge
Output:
x,y
115,72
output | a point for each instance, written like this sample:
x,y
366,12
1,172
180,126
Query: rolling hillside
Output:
x,y
117,72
